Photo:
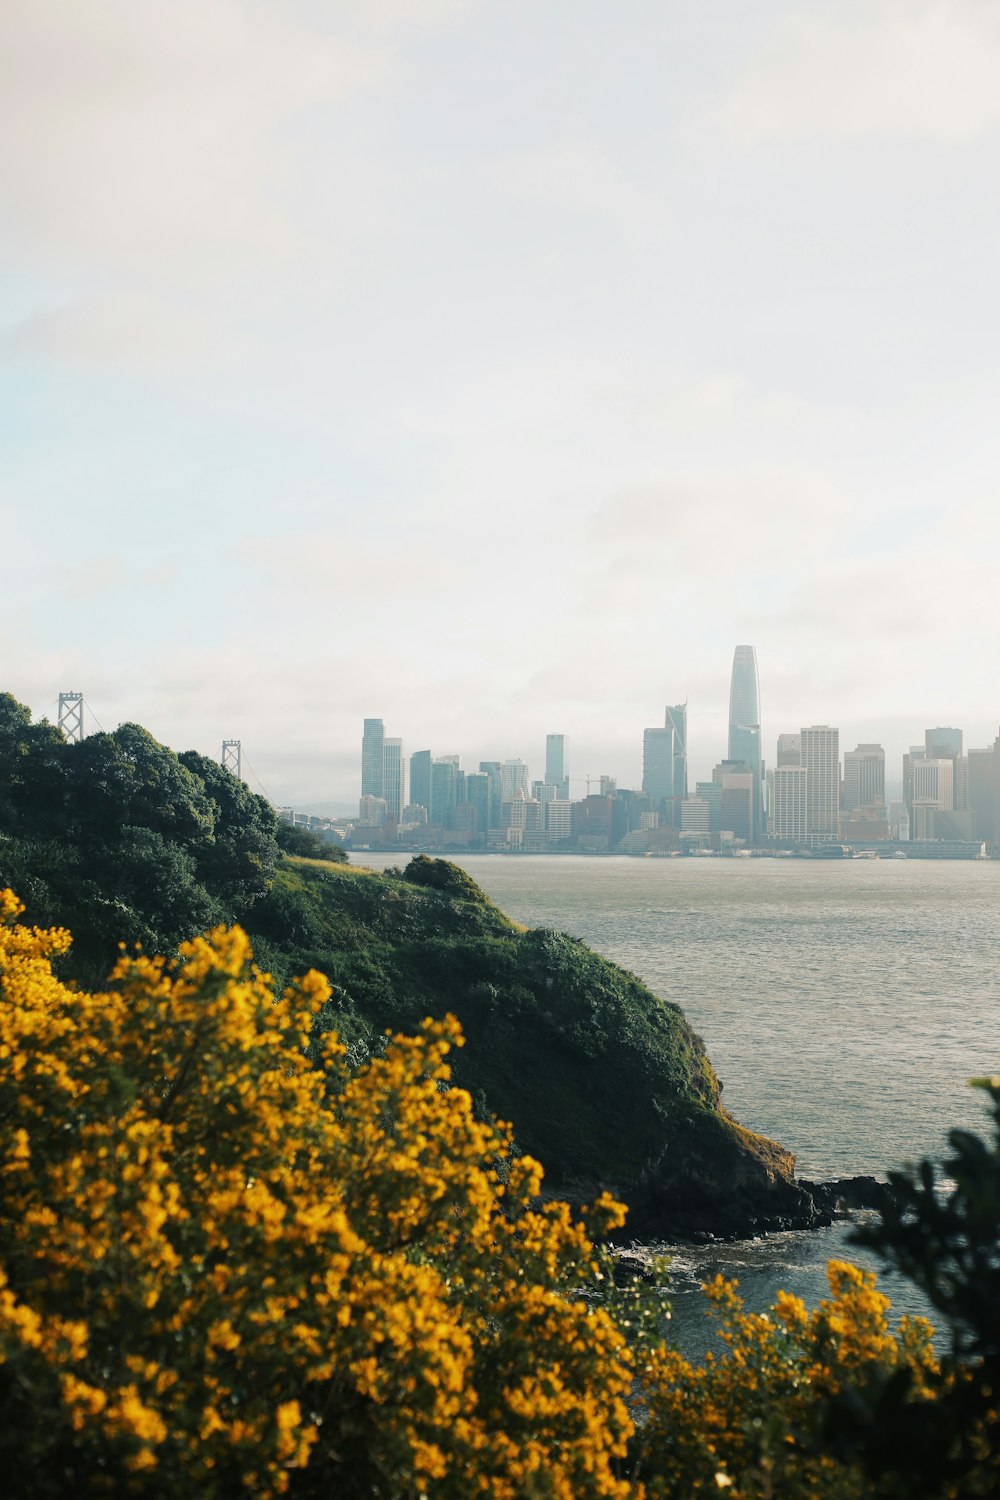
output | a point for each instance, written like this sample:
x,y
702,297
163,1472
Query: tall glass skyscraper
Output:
x,y
744,724
373,759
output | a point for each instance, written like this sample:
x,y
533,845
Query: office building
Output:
x,y
676,718
738,799
744,726
393,776
946,744
789,807
984,791
513,778
658,765
444,789
864,778
556,767
420,779
789,750
821,758
372,768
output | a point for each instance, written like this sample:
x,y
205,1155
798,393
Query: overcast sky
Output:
x,y
495,368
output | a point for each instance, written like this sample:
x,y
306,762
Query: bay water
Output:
x,y
845,1004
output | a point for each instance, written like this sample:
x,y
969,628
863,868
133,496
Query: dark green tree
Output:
x,y
940,1228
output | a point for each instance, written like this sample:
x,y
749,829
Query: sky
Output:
x,y
495,368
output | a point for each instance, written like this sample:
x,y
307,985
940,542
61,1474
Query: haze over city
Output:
x,y
493,370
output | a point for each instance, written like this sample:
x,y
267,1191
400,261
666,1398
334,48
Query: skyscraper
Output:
x,y
658,764
556,773
676,718
864,778
372,759
744,725
393,778
821,758
420,779
789,804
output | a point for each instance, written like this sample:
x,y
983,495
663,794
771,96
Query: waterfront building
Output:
x,y
946,744
864,778
420,778
789,809
491,769
372,763
821,758
556,768
984,791
933,793
744,726
477,792
444,789
695,815
393,778
711,792
675,718
513,776
371,811
559,818
658,764
738,799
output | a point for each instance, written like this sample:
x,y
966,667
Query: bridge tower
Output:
x,y
232,757
71,716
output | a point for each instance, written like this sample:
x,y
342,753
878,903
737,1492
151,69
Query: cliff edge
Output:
x,y
604,1082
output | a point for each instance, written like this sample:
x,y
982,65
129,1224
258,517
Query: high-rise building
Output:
x,y
737,799
420,779
477,794
789,750
864,778
744,725
942,744
984,791
393,778
946,744
658,764
788,813
513,776
491,769
444,789
372,768
821,758
556,769
676,719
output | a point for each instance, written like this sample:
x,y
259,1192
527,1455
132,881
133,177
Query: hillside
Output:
x,y
605,1083
120,840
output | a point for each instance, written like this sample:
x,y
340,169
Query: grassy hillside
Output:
x,y
603,1081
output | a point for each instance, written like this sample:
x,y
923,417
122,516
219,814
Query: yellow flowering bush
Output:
x,y
751,1421
227,1270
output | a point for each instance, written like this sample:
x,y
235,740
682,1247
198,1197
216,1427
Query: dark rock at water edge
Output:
x,y
843,1196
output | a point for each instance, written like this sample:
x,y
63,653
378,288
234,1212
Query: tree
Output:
x,y
752,1421
225,1270
940,1227
306,844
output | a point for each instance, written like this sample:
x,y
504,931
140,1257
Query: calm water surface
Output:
x,y
844,1004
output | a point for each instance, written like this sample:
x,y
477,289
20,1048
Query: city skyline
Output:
x,y
333,384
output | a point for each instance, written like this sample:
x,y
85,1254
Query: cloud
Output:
x,y
138,128
125,329
895,68
581,177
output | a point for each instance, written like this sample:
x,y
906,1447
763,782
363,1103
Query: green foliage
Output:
x,y
306,844
124,841
605,1080
941,1229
